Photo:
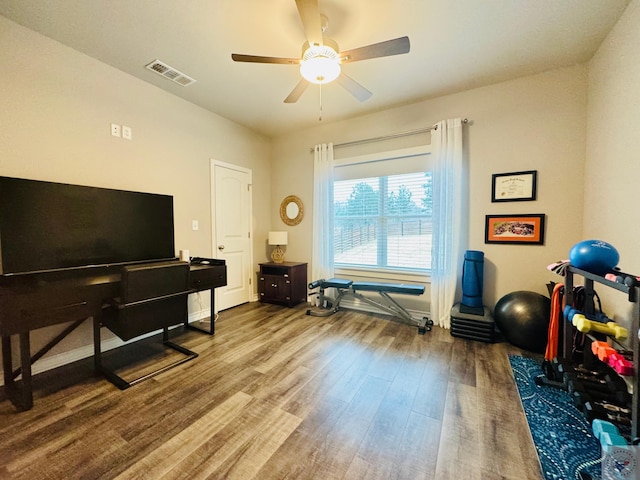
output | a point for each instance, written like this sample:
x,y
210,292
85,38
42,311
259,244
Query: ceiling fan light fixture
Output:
x,y
320,70
320,64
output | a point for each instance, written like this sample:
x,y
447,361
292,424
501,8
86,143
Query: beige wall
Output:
x,y
533,123
57,107
612,169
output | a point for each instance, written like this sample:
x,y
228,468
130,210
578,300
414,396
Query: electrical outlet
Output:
x,y
115,129
126,132
194,225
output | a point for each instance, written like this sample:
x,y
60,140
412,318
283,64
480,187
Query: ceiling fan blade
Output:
x,y
310,17
297,91
397,46
353,87
238,57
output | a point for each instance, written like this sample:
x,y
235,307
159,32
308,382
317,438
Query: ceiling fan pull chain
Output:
x,y
320,118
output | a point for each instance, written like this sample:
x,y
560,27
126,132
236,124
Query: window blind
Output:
x,y
383,221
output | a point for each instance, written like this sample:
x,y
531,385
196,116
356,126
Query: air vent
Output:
x,y
170,73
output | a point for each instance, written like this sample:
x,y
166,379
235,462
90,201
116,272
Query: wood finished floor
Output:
x,y
276,394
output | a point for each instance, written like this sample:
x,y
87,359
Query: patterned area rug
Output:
x,y
565,444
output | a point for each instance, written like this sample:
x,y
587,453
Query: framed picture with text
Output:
x,y
515,229
514,186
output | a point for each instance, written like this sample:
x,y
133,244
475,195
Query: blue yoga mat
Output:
x,y
472,278
562,436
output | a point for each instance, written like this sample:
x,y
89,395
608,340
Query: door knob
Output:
x,y
221,247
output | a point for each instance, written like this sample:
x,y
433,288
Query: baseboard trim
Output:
x,y
54,361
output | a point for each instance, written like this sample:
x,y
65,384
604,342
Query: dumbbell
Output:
x,y
560,367
607,385
602,350
565,367
569,312
606,407
550,370
616,382
543,381
556,368
620,361
585,325
631,281
619,399
617,418
628,280
620,364
610,382
612,277
582,394
607,433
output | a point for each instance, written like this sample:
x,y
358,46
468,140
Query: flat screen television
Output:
x,y
47,226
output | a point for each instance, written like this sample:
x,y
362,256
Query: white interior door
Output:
x,y
231,198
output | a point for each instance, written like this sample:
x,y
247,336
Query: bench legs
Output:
x,y
391,307
328,305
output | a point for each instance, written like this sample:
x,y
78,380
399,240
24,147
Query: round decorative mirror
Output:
x,y
291,210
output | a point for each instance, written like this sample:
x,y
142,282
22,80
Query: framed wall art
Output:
x,y
514,186
515,229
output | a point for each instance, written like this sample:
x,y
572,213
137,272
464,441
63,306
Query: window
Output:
x,y
383,222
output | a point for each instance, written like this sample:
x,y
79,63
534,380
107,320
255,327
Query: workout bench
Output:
x,y
348,288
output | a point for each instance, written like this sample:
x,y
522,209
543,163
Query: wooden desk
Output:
x,y
30,302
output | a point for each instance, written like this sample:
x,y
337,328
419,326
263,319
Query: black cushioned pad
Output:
x,y
336,283
388,287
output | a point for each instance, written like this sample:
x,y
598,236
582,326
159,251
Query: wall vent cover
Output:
x,y
170,73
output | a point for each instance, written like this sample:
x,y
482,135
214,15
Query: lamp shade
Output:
x,y
278,238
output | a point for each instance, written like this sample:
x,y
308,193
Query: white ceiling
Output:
x,y
455,45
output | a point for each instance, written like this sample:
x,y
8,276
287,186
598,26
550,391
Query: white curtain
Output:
x,y
446,252
322,253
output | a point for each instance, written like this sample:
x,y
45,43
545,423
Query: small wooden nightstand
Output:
x,y
283,283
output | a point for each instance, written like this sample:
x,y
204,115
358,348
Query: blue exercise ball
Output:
x,y
594,256
523,319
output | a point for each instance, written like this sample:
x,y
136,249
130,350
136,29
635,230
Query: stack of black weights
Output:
x,y
470,318
599,392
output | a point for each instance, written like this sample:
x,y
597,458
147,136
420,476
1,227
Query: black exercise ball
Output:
x,y
523,319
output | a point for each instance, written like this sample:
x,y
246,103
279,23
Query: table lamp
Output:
x,y
277,239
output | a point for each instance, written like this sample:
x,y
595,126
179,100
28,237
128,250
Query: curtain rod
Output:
x,y
389,137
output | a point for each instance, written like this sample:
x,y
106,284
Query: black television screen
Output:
x,y
48,226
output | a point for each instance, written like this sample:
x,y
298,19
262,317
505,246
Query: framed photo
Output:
x,y
513,187
515,229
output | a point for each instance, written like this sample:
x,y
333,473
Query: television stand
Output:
x,y
31,302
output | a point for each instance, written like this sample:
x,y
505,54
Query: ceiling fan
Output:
x,y
321,58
